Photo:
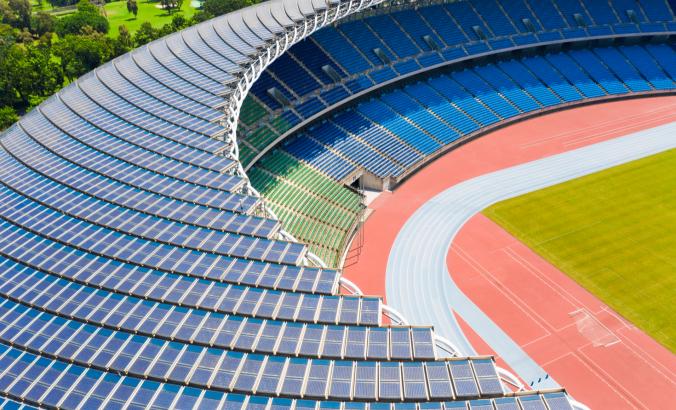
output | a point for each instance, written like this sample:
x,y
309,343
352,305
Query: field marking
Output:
x,y
544,278
516,300
417,260
603,125
634,125
607,376
654,363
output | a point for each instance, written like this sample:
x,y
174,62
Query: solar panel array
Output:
x,y
139,269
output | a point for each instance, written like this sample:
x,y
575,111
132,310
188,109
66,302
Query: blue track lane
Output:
x,y
418,283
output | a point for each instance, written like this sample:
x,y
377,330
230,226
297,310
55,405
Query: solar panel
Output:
x,y
461,369
390,381
349,310
431,406
295,377
455,405
484,368
329,310
533,402
490,386
506,403
307,311
481,405
280,404
305,405
257,403
341,381
271,375
333,342
377,343
439,380
289,305
317,378
290,338
423,344
355,347
466,388
269,336
414,381
311,340
400,343
227,370
203,372
248,374
364,384
249,333
557,401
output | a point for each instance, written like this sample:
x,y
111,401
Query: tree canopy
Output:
x,y
35,64
87,15
218,7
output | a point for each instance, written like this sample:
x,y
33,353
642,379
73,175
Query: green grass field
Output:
x,y
117,13
147,11
614,232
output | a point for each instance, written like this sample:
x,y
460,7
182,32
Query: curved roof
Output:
x,y
128,236
193,82
217,61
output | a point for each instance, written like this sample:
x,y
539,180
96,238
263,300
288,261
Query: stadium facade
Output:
x,y
142,267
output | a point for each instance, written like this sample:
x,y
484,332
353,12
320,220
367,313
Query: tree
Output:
x,y
16,13
132,7
124,42
81,54
28,73
61,3
85,6
218,7
145,34
7,37
87,15
42,23
178,22
171,5
8,117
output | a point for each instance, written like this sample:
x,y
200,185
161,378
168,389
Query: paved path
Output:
x,y
418,283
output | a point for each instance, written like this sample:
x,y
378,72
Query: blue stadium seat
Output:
x,y
575,74
645,63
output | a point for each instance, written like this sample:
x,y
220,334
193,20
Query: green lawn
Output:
x,y
614,232
147,11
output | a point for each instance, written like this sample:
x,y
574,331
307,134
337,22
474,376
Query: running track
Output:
x,y
537,138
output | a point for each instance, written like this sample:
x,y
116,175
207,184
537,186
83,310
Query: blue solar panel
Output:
x,y
136,269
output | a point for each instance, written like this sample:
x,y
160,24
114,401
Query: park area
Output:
x,y
117,14
150,11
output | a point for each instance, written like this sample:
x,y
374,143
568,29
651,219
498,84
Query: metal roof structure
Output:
x,y
139,267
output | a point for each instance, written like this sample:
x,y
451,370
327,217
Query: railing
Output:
x,y
364,94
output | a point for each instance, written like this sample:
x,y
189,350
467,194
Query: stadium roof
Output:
x,y
176,218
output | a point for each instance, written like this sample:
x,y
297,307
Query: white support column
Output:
x,y
577,405
447,345
510,378
393,314
350,286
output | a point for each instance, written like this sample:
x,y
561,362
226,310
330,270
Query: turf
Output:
x,y
614,232
147,11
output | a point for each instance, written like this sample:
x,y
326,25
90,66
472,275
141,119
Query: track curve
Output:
x,y
417,279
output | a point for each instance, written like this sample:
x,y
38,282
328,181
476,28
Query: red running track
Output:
x,y
609,364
